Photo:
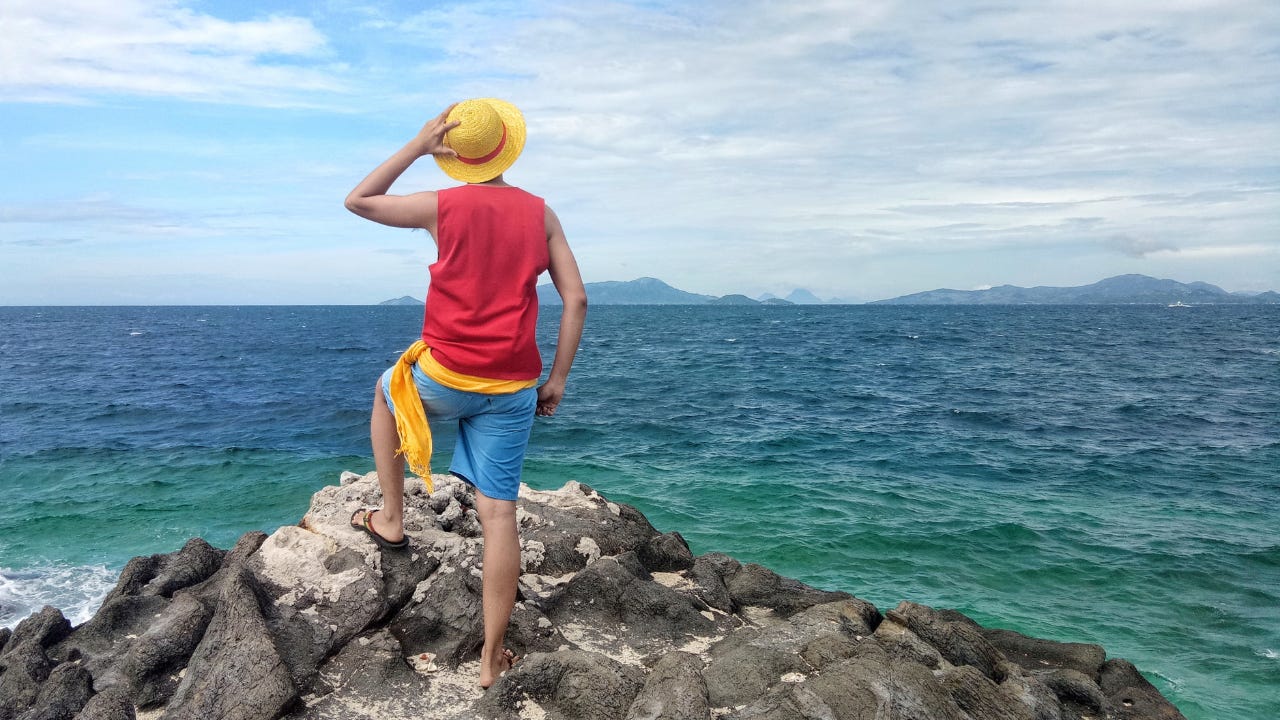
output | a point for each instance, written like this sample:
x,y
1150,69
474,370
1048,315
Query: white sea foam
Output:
x,y
1269,654
76,590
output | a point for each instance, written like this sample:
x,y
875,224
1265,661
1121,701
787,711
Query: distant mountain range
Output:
x,y
1119,290
651,291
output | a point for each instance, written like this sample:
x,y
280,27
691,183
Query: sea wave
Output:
x,y
77,590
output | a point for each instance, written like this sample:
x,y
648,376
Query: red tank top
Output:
x,y
482,305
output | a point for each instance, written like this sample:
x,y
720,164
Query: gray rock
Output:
x,y
151,665
23,670
5,634
63,695
609,593
959,642
901,643
136,574
981,698
318,597
743,669
445,619
1037,654
861,689
532,631
108,705
571,684
236,673
830,648
577,512
194,563
674,690
1131,696
43,628
99,642
1033,695
667,552
247,545
1074,689
369,673
708,574
757,586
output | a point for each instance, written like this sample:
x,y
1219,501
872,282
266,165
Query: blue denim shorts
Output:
x,y
493,431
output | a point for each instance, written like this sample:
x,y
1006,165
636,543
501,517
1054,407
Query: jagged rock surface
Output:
x,y
613,620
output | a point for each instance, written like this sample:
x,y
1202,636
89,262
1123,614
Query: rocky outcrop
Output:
x,y
613,620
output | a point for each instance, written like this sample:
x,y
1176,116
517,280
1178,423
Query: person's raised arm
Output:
x,y
370,200
568,281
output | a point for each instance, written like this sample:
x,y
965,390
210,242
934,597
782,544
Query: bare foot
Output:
x,y
493,669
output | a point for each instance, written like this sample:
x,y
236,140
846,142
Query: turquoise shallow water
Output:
x,y
1095,474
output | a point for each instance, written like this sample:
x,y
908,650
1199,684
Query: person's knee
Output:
x,y
492,511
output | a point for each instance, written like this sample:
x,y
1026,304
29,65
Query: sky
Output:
x,y
168,152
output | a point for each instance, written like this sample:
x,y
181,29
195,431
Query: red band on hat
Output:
x,y
482,160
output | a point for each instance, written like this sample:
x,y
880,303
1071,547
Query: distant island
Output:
x,y
403,300
1119,290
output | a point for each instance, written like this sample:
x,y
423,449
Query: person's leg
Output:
x,y
501,572
389,520
489,454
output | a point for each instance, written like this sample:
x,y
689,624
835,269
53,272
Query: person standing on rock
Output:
x,y
477,363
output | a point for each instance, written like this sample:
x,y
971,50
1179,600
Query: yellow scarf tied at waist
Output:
x,y
411,417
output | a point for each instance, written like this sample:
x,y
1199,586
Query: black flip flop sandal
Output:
x,y
367,526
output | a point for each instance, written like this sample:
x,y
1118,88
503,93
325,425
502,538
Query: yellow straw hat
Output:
x,y
488,141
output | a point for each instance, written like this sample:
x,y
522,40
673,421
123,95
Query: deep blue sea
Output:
x,y
1105,474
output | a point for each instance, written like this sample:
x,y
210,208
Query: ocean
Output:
x,y
1103,474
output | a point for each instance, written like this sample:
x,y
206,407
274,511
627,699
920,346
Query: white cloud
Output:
x,y
71,50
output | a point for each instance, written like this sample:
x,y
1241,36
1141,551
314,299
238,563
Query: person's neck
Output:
x,y
496,182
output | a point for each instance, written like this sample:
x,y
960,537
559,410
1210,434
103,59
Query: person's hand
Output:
x,y
549,396
430,139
